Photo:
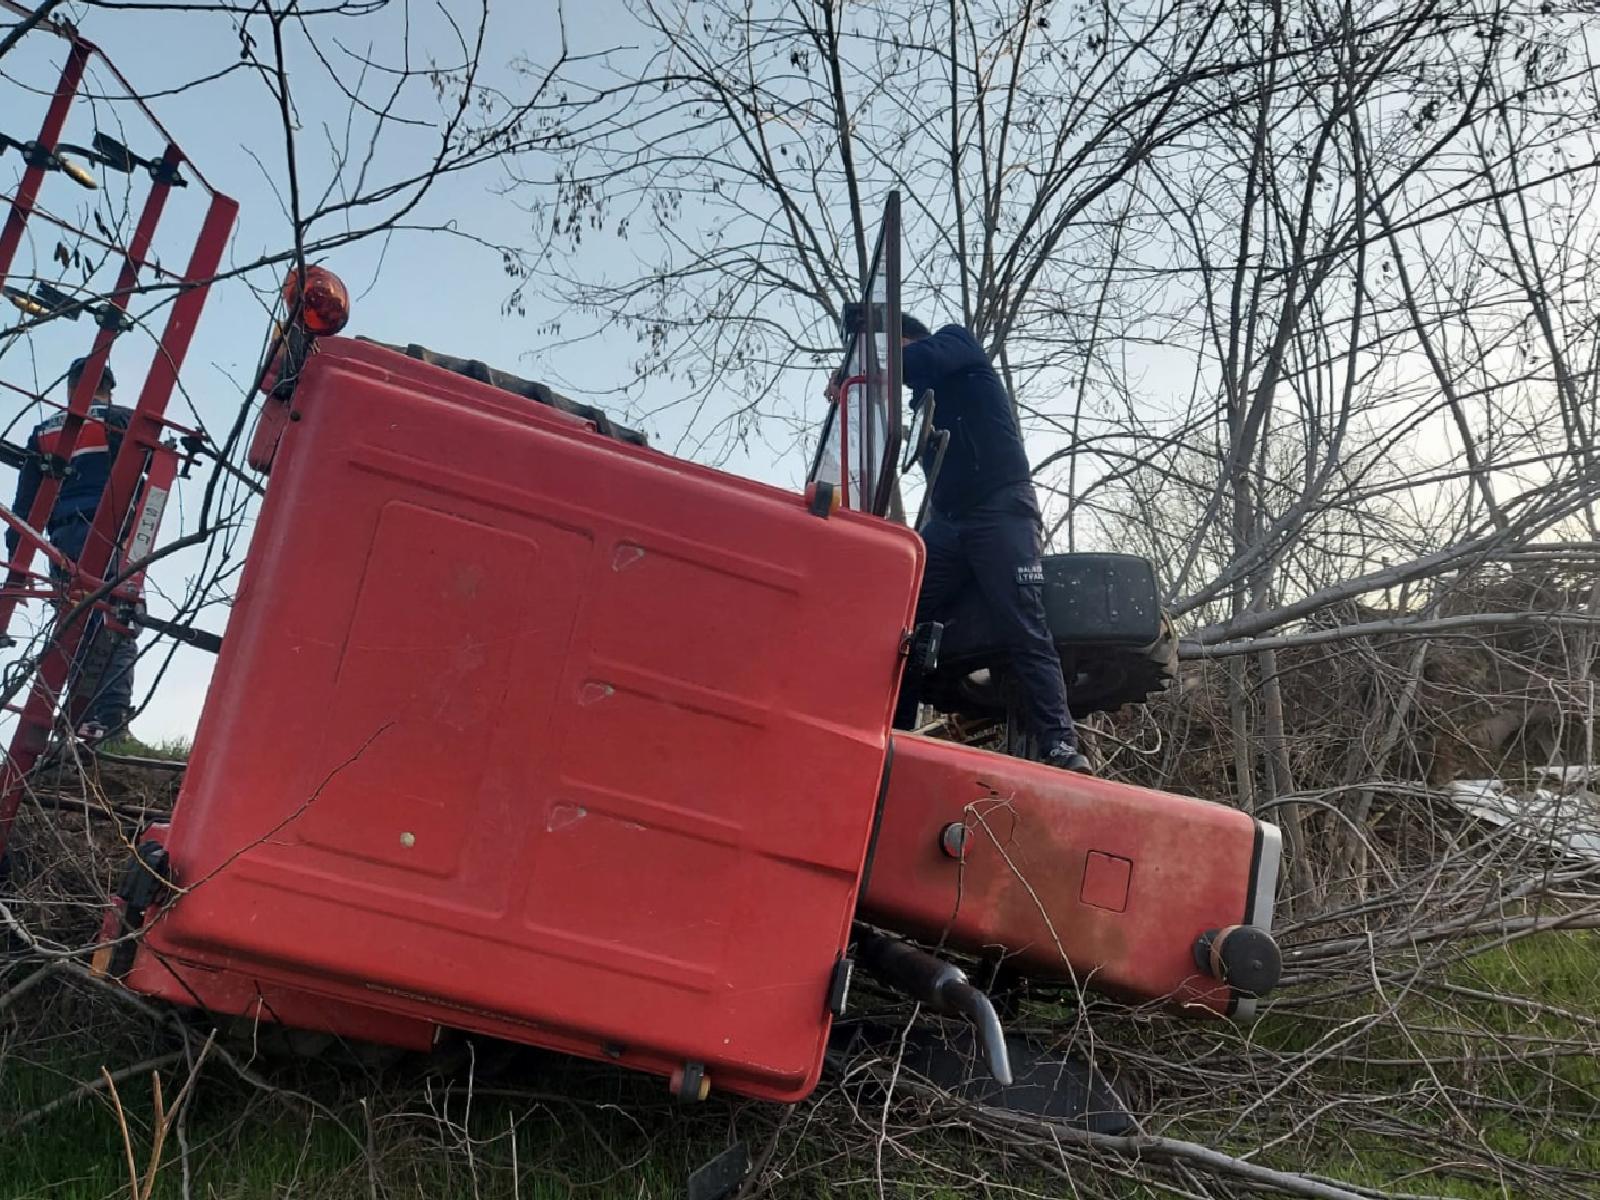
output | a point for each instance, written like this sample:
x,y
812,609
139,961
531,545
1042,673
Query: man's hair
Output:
x,y
75,373
912,328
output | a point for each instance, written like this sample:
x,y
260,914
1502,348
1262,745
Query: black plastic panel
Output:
x,y
1101,598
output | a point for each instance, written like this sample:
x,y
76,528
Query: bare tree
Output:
x,y
1294,297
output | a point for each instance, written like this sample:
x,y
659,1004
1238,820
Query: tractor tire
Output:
x,y
1123,675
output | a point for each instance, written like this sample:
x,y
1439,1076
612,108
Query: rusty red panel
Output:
x,y
520,729
1069,874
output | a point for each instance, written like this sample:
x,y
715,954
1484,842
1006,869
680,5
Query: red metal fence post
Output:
x,y
55,119
122,492
89,382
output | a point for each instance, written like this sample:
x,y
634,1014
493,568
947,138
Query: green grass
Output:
x,y
586,1132
1561,970
252,1147
174,749
606,1135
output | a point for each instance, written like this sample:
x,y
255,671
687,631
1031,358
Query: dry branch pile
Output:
x,y
1491,698
1439,1034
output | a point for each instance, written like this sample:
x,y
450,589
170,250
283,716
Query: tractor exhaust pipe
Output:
x,y
943,987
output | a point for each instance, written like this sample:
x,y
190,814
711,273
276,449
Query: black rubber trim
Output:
x,y
877,822
1249,898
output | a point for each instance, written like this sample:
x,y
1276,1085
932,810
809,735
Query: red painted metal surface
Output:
x,y
229,993
112,525
55,119
148,422
520,729
1067,874
122,489
115,504
232,994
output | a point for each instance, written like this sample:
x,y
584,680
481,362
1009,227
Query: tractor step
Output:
x,y
1044,1083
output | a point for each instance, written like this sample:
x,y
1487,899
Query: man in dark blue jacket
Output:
x,y
68,528
985,527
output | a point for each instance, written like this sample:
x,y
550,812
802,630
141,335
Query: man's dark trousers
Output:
x,y
113,697
996,544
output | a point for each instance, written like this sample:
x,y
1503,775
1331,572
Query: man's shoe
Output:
x,y
92,733
105,726
1066,757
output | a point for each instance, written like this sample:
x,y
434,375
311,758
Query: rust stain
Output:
x,y
1024,880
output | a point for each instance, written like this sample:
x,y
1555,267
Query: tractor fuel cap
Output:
x,y
1242,956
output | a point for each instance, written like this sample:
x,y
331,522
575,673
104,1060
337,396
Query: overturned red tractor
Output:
x,y
525,729
588,747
